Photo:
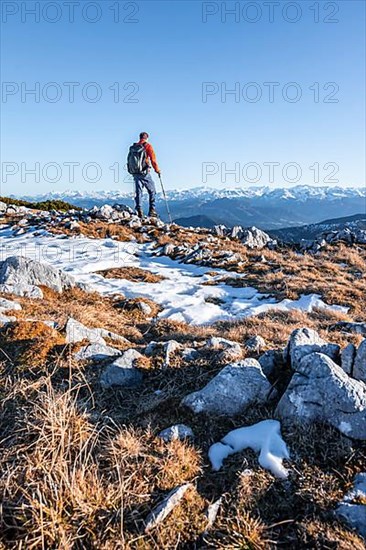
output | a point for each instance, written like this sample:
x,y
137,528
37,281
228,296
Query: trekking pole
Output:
x,y
166,200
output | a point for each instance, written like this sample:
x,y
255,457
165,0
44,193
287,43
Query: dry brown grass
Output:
x,y
90,308
135,274
82,467
274,326
99,230
30,342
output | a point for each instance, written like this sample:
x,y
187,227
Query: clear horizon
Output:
x,y
230,98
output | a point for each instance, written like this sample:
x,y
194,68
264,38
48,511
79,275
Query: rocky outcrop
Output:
x,y
356,235
17,270
320,391
236,387
256,238
252,237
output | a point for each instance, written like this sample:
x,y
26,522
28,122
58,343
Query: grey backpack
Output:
x,y
137,164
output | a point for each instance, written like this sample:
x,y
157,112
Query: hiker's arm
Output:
x,y
151,154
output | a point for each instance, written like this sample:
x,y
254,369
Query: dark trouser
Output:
x,y
146,182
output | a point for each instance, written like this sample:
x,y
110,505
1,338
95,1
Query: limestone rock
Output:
x,y
359,366
168,348
236,387
320,391
122,372
351,510
17,270
357,328
304,341
160,512
24,290
348,355
96,353
256,343
178,431
231,351
256,238
77,332
9,305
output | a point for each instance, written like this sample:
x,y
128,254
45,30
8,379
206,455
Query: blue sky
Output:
x,y
168,53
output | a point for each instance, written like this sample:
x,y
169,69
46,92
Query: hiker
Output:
x,y
141,158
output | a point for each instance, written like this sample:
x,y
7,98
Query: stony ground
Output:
x,y
82,462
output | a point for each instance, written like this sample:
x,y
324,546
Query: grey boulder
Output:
x,y
77,332
160,512
255,344
17,270
236,387
9,305
351,510
359,366
122,372
347,358
178,431
24,290
304,341
320,391
270,360
96,352
357,328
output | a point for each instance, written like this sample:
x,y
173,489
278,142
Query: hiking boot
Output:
x,y
153,213
139,212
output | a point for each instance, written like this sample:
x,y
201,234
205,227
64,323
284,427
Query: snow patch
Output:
x,y
264,437
182,293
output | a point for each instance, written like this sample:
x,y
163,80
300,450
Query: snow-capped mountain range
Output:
x,y
264,207
298,193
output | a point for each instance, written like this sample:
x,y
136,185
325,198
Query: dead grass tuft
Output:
x,y
98,229
135,274
89,308
30,342
180,462
242,531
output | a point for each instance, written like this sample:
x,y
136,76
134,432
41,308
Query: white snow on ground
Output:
x,y
264,437
182,293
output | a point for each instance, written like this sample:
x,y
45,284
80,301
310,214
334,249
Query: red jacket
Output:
x,y
150,153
